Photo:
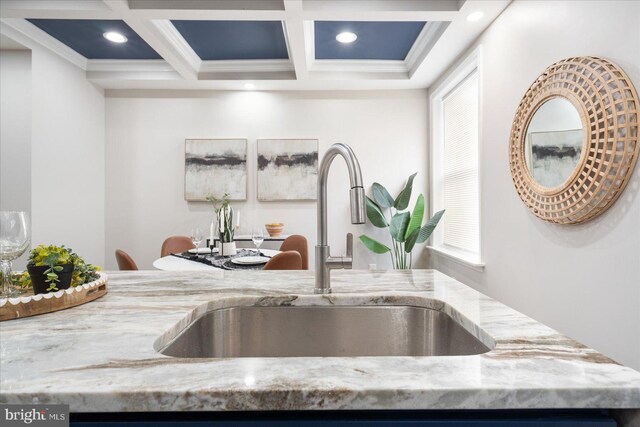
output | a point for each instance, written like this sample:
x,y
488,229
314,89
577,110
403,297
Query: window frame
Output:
x,y
469,65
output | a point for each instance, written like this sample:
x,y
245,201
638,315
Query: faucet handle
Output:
x,y
349,245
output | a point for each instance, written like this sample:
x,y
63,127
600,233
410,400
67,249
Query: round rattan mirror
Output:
x,y
574,141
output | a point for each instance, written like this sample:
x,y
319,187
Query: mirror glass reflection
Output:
x,y
554,142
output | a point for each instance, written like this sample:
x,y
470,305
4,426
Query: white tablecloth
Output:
x,y
174,263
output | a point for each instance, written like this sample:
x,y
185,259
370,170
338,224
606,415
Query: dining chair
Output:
x,y
298,243
289,260
125,262
175,245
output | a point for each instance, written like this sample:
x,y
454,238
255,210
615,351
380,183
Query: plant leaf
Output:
x,y
375,215
411,241
416,217
427,229
402,201
374,245
398,225
381,196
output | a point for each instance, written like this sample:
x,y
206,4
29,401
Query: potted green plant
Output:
x,y
405,228
51,268
225,229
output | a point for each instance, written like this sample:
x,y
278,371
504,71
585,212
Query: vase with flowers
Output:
x,y
224,224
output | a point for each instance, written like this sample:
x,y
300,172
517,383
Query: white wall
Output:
x,y
582,280
15,130
15,133
145,134
65,157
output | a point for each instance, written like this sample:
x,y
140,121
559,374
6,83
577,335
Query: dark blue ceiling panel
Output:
x,y
218,40
376,40
85,37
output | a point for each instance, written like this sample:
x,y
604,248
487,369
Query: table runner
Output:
x,y
223,262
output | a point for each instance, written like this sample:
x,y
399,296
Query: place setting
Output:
x,y
239,259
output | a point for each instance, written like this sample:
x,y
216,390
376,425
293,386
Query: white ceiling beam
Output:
x,y
245,5
49,9
173,36
155,37
357,6
338,15
210,15
295,35
425,41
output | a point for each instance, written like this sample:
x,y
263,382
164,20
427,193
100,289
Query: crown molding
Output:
x,y
359,66
246,65
128,65
26,33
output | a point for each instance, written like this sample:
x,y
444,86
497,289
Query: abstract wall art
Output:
x,y
215,167
287,169
554,155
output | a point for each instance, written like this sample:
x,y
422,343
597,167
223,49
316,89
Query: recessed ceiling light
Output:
x,y
475,16
249,86
346,37
112,36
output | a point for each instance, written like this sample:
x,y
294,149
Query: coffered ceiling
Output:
x,y
257,44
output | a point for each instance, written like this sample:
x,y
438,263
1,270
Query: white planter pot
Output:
x,y
228,249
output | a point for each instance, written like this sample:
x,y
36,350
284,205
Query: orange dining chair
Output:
x,y
289,260
176,245
125,262
298,243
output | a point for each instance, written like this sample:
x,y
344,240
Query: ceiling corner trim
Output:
x,y
26,32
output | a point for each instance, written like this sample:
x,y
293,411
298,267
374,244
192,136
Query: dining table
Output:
x,y
188,261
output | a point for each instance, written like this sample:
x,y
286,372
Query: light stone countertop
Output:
x,y
101,357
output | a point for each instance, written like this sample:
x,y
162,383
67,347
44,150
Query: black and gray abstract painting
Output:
x,y
287,169
554,156
216,167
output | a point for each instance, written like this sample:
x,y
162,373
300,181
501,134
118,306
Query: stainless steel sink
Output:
x,y
324,331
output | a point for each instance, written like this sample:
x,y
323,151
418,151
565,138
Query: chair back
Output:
x,y
175,245
298,243
125,262
289,260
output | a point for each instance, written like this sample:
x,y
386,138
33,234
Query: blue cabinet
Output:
x,y
516,418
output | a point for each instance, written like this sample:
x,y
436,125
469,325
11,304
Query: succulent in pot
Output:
x,y
51,268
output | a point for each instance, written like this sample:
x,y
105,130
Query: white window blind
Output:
x,y
460,166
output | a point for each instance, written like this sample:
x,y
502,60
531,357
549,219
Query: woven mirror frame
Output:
x,y
608,106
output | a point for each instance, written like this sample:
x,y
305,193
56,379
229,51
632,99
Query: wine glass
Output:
x,y
197,234
15,236
257,235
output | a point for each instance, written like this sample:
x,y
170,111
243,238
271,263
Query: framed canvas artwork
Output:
x,y
215,167
287,169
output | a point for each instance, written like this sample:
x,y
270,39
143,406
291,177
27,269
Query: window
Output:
x,y
455,112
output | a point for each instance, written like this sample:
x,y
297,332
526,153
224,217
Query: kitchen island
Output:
x,y
103,356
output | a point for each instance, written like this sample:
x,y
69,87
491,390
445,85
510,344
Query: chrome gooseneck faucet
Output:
x,y
324,261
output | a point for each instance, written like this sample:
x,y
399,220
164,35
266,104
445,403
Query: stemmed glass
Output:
x,y
15,236
257,235
197,234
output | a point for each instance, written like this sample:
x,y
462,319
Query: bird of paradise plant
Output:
x,y
405,228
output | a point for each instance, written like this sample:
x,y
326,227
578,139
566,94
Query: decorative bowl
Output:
x,y
274,229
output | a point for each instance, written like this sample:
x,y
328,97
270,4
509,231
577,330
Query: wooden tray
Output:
x,y
31,305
